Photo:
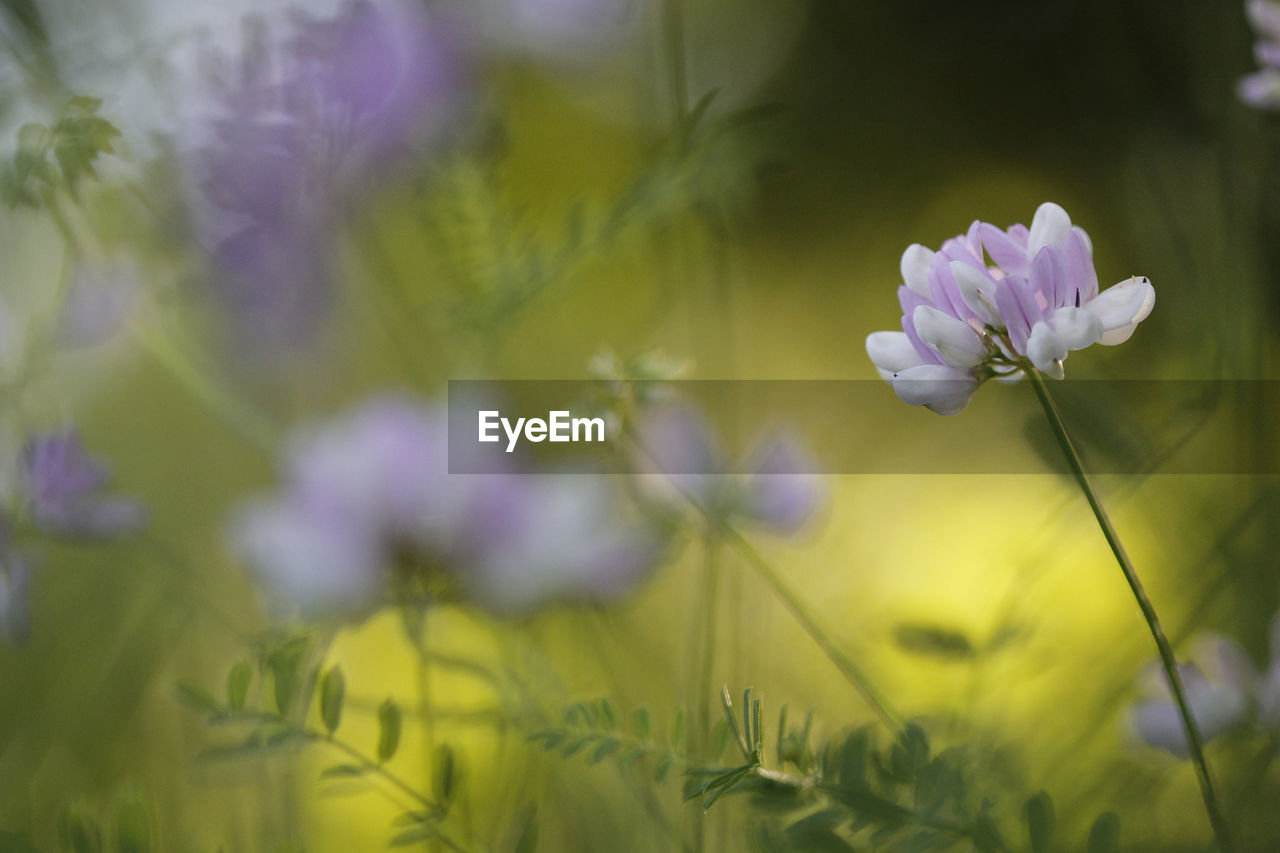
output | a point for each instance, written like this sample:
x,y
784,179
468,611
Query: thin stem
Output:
x,y
705,616
1167,659
801,612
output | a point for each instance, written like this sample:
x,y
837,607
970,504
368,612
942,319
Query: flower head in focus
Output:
x,y
1219,683
1261,89
369,513
965,320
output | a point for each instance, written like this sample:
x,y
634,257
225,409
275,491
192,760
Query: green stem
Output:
x,y
801,612
1167,659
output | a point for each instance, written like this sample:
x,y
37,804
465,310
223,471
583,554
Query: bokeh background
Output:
x,y
557,200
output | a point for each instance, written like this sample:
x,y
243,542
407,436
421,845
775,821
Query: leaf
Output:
x,y
677,730
607,715
344,771
663,769
1104,837
238,679
131,825
1038,813
934,641
333,690
866,804
78,831
444,774
388,730
527,842
640,723
196,697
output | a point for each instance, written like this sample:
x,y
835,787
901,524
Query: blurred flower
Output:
x,y
98,303
303,124
778,489
1262,88
556,29
63,487
965,322
368,503
1269,683
1219,686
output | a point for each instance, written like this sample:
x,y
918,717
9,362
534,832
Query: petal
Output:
x,y
1267,53
946,294
1046,350
891,352
1008,254
1015,318
916,261
910,300
1260,89
1121,307
1050,225
978,290
783,490
955,340
945,390
1077,328
1265,17
1081,277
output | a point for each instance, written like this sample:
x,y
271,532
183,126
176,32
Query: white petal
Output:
x,y
955,340
1076,327
1046,350
916,261
1121,307
945,390
1049,226
892,352
978,291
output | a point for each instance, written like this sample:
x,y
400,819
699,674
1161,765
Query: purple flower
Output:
x,y
1262,88
368,503
556,29
1219,685
778,490
63,488
302,126
964,322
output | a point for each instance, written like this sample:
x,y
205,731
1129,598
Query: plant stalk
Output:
x,y
1167,660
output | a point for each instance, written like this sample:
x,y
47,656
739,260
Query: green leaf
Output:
x,y
333,691
131,825
196,697
344,771
1038,812
444,774
663,769
677,730
640,723
607,747
934,641
388,730
608,717
1104,837
238,679
78,831
527,841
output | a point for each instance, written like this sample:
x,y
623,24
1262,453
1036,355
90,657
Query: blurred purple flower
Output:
x,y
964,322
778,488
304,124
369,494
1262,88
557,29
1219,684
63,488
98,303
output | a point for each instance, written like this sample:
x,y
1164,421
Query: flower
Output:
x,y
778,489
63,488
1219,688
964,321
369,511
1261,89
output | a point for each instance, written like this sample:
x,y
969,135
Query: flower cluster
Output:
x,y
1224,689
61,493
965,320
369,512
1261,89
777,488
297,124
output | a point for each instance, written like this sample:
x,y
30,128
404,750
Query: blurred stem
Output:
x,y
808,620
1167,659
707,612
677,70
